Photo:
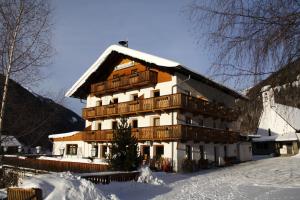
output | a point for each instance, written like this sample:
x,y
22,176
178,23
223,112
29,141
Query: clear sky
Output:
x,y
84,29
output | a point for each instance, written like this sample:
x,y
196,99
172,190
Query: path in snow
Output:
x,y
273,178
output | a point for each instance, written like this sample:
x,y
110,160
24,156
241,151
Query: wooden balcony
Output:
x,y
122,83
168,133
162,103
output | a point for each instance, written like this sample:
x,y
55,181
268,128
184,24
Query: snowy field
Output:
x,y
272,178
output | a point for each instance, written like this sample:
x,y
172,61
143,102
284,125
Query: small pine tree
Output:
x,y
124,151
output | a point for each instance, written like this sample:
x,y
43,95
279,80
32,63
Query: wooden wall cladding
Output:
x,y
139,67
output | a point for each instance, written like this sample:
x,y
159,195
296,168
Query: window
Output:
x,y
145,152
99,103
214,124
201,149
134,71
156,121
156,93
115,100
201,122
72,149
159,151
134,123
188,120
188,152
115,76
225,151
103,151
94,151
114,125
99,126
134,97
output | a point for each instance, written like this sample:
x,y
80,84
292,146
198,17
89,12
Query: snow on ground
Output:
x,y
263,178
271,178
65,186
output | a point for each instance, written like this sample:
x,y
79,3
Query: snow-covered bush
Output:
x,y
8,178
64,186
147,177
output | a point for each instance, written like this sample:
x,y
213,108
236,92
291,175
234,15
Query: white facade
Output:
x,y
174,151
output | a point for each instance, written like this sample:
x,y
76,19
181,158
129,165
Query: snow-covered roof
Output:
x,y
278,138
290,114
123,50
60,135
141,56
9,141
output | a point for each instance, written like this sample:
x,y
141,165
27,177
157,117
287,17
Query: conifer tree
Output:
x,y
124,151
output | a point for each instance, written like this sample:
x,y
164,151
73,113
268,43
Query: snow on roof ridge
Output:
x,y
123,50
60,135
159,61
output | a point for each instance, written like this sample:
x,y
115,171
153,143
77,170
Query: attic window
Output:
x,y
116,76
134,71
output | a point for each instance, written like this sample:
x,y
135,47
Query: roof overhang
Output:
x,y
113,50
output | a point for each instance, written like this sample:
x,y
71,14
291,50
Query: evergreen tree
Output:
x,y
124,151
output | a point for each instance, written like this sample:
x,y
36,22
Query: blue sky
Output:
x,y
84,29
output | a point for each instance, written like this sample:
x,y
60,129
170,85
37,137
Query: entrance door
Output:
x,y
215,153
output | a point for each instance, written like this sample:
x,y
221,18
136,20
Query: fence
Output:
x,y
107,178
24,194
55,166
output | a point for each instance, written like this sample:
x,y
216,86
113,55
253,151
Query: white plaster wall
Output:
x,y
245,151
231,150
207,121
83,150
271,120
199,88
143,120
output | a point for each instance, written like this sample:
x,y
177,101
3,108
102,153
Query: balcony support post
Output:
x,y
172,143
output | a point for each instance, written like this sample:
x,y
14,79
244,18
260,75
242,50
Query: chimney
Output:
x,y
123,43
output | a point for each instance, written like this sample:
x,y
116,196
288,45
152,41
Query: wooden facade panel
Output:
x,y
162,103
161,75
162,133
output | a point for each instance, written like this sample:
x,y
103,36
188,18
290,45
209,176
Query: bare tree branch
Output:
x,y
261,35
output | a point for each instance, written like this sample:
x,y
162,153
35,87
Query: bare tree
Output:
x,y
24,41
250,38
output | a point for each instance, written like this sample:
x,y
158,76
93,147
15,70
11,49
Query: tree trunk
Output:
x,y
3,105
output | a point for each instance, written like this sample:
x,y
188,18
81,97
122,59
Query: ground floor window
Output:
x,y
159,151
94,151
145,152
188,152
104,151
201,149
72,149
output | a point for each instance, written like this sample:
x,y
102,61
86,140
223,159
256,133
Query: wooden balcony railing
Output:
x,y
125,82
168,133
162,103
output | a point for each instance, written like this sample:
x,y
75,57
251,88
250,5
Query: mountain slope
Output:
x,y
31,118
286,86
